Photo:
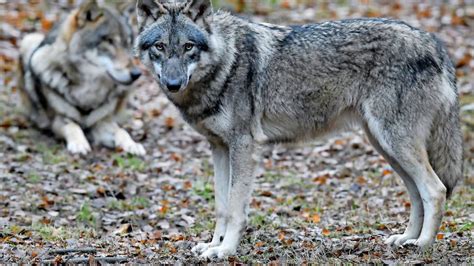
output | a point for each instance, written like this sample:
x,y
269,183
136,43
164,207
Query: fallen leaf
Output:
x,y
281,235
123,230
155,112
58,260
171,248
361,180
176,157
453,242
188,185
386,172
458,20
101,191
326,232
321,180
169,122
266,193
156,235
440,236
464,61
178,237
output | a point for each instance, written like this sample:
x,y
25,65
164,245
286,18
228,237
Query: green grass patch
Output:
x,y
201,225
204,189
51,154
258,220
13,229
128,205
85,214
51,233
466,227
129,162
34,178
467,99
207,168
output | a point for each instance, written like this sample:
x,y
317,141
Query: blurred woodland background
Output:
x,y
329,201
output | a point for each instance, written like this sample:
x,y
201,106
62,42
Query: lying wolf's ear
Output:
x,y
125,7
198,9
148,11
89,11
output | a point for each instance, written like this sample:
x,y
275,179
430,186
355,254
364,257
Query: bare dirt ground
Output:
x,y
330,201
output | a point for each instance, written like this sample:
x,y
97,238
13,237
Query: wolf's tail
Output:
x,y
445,150
31,99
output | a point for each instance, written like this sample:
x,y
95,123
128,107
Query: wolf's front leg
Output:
x,y
242,167
220,156
110,134
76,141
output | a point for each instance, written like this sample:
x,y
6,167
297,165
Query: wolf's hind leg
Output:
x,y
416,211
110,134
433,194
409,152
220,156
76,141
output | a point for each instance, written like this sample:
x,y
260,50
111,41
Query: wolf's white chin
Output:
x,y
122,77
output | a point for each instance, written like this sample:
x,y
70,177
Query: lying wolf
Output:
x,y
77,78
244,84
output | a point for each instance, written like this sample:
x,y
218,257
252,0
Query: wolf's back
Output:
x,y
32,100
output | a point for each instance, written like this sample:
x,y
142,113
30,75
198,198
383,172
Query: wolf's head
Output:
x,y
174,41
100,38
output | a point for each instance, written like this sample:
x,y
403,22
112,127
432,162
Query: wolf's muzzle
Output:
x,y
174,85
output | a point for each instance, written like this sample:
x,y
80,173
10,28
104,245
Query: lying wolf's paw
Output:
x,y
219,252
124,141
79,146
134,148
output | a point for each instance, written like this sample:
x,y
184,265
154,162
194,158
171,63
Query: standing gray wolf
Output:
x,y
77,78
244,84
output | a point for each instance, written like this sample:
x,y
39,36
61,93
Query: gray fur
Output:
x,y
256,84
77,77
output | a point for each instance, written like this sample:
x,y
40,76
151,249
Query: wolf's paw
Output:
x,y
420,242
201,247
79,146
398,240
219,252
124,141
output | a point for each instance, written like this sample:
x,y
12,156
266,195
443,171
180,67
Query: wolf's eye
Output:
x,y
160,46
188,46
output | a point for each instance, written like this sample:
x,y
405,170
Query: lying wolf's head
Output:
x,y
100,38
174,41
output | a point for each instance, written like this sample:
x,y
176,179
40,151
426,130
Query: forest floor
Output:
x,y
328,201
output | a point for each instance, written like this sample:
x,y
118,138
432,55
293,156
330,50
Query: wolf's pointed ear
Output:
x,y
148,11
89,11
198,9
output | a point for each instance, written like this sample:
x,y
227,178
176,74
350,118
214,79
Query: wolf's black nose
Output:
x,y
135,73
173,85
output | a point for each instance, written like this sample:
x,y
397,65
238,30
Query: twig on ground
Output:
x,y
87,260
73,250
